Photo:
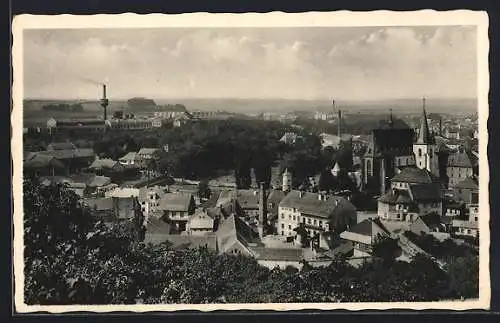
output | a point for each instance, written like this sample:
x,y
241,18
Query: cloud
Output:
x,y
292,63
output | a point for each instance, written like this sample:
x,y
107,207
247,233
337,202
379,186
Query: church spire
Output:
x,y
424,136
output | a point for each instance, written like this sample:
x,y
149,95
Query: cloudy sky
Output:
x,y
296,63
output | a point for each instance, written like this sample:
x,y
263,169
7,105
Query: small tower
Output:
x,y
287,181
425,146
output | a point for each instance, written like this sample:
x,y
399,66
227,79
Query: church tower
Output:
x,y
287,181
425,147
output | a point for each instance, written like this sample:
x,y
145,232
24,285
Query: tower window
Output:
x,y
419,152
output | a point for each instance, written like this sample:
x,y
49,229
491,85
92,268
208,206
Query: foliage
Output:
x,y
72,259
386,248
204,190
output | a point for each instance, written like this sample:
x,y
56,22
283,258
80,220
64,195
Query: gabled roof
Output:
x,y
201,220
99,181
468,183
233,229
147,151
332,208
278,254
248,199
366,231
71,153
123,192
176,202
415,175
426,192
431,220
103,163
181,242
459,159
130,156
40,161
100,203
61,146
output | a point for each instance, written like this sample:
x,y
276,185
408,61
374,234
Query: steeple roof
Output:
x,y
424,135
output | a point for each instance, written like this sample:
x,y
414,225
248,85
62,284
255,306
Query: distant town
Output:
x,y
289,190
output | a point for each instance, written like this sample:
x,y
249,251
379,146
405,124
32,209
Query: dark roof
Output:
x,y
99,181
424,135
392,123
431,220
99,204
459,159
61,146
234,229
181,242
426,192
40,161
103,163
82,122
278,254
248,199
332,208
176,201
469,183
70,153
393,142
415,175
367,227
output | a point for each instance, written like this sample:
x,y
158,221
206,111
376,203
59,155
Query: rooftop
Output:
x,y
468,183
415,175
277,254
176,202
459,159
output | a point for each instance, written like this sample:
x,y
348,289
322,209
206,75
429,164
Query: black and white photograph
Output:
x,y
251,161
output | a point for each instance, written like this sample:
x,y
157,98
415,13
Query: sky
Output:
x,y
346,63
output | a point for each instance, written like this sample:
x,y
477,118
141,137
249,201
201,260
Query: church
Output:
x,y
392,148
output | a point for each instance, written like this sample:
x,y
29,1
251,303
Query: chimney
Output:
x,y
339,121
104,102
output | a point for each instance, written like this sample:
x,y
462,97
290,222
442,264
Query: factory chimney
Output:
x,y
339,122
104,102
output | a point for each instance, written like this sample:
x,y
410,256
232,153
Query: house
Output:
x,y
101,208
130,124
128,159
404,204
453,209
289,138
177,208
315,212
470,226
467,191
235,237
273,200
458,168
200,223
149,198
106,165
147,156
157,122
99,185
364,235
171,111
75,185
413,175
61,146
278,257
74,127
37,165
124,201
75,160
430,224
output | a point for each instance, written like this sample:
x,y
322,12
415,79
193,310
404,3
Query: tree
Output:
x,y
204,190
386,248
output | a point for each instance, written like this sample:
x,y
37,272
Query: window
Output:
x,y
475,218
369,170
315,222
419,152
282,233
289,217
309,221
282,216
282,225
320,223
294,217
289,227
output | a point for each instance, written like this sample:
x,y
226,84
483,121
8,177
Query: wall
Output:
x,y
457,174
